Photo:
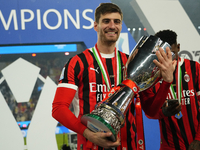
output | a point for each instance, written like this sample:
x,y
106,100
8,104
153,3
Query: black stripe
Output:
x,y
86,105
154,89
66,72
183,134
110,70
100,148
164,131
122,65
77,69
175,137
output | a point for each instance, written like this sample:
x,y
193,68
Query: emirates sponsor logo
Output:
x,y
186,94
99,89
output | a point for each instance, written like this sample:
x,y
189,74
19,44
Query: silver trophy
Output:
x,y
142,73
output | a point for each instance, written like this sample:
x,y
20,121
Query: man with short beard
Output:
x,y
88,77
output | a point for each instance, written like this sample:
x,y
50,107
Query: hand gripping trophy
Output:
x,y
140,73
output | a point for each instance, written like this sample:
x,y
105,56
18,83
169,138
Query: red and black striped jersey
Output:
x,y
82,83
177,134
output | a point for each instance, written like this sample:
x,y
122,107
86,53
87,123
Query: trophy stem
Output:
x,y
109,115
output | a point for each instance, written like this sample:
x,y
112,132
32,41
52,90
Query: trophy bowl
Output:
x,y
139,74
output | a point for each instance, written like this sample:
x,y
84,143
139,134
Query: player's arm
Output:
x,y
61,111
151,103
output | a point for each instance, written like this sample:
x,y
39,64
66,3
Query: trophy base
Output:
x,y
98,124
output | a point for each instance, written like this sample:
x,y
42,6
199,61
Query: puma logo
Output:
x,y
96,70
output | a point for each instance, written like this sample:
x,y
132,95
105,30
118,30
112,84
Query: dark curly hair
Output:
x,y
105,8
168,36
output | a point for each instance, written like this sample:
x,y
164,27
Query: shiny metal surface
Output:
x,y
140,67
118,102
109,115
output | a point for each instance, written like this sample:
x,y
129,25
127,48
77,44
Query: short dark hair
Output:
x,y
105,8
168,36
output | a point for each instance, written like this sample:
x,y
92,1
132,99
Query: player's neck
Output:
x,y
106,48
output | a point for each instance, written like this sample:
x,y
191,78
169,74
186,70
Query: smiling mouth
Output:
x,y
111,33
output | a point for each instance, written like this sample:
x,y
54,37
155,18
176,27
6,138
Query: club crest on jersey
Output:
x,y
186,77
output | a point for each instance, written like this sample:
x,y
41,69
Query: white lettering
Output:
x,y
45,19
38,19
87,18
192,92
188,93
101,88
92,87
12,15
97,87
99,97
23,20
76,24
187,101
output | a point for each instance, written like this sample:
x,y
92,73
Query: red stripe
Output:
x,y
139,125
70,72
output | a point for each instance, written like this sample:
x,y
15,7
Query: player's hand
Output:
x,y
101,139
165,64
195,145
172,109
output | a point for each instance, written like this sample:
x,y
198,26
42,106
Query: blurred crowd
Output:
x,y
24,111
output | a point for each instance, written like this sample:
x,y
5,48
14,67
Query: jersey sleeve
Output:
x,y
65,92
151,103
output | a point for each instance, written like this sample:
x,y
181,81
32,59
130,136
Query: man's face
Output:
x,y
109,27
175,49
